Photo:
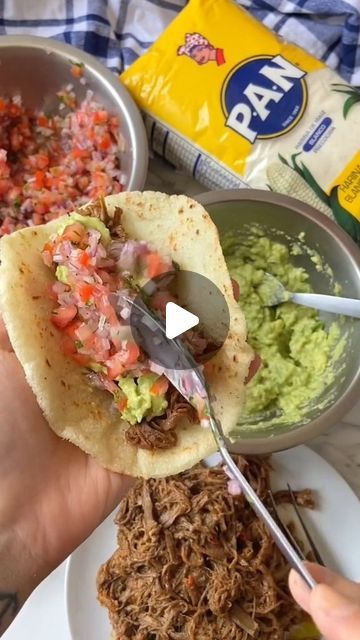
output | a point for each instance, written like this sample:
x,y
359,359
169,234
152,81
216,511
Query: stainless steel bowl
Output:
x,y
37,68
284,218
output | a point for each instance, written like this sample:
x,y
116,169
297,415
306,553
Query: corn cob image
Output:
x,y
353,98
327,203
283,179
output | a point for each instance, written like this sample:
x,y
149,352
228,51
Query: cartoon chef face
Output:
x,y
199,49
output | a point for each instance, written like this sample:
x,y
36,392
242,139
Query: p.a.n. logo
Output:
x,y
264,97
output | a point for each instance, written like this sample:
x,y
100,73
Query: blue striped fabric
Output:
x,y
118,31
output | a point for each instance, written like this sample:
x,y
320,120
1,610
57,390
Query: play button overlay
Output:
x,y
185,307
178,320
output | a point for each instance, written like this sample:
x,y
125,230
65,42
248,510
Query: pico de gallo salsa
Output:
x,y
51,163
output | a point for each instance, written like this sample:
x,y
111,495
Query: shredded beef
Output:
x,y
178,409
97,209
159,433
304,498
147,436
194,562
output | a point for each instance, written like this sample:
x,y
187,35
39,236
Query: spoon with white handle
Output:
x,y
272,293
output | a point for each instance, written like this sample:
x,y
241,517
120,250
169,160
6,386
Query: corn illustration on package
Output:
x,y
229,101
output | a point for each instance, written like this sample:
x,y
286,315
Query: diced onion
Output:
x,y
125,313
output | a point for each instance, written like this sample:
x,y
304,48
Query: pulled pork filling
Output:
x,y
95,266
194,562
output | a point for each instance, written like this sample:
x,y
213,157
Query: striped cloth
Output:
x,y
118,31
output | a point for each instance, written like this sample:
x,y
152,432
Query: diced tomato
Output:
x,y
100,117
79,153
74,233
16,140
153,264
100,179
39,179
51,247
131,353
37,218
122,404
160,386
5,185
105,142
71,329
62,316
50,290
14,110
77,70
43,121
13,195
68,346
115,366
42,161
108,311
83,332
86,291
81,359
104,275
7,227
98,348
84,259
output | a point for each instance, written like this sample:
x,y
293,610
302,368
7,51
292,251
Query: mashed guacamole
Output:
x,y
296,349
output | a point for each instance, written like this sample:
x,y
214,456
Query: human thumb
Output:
x,y
336,616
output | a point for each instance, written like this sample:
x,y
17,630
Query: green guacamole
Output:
x,y
140,402
296,349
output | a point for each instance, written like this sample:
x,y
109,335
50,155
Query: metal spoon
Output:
x,y
272,293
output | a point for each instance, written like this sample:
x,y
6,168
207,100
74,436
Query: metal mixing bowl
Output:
x,y
283,218
37,68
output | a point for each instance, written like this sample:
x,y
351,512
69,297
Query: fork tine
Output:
x,y
310,540
284,528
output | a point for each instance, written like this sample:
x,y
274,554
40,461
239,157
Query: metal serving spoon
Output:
x,y
272,293
188,378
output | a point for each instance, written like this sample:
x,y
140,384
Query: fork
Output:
x,y
188,378
287,532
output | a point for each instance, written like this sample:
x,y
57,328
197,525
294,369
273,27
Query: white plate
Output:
x,y
335,526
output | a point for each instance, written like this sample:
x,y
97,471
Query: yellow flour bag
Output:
x,y
230,102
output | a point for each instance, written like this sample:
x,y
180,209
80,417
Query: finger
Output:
x,y
5,344
120,486
323,575
335,615
255,365
299,590
236,289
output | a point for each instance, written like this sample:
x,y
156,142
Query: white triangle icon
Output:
x,y
178,320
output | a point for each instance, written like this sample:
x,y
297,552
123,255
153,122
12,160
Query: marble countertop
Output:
x,y
44,615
